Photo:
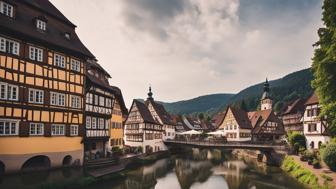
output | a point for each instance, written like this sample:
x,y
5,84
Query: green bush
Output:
x,y
301,174
329,156
296,137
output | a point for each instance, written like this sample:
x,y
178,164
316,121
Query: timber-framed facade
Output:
x,y
42,81
99,106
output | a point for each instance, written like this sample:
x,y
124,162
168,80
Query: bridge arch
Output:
x,y
35,163
67,160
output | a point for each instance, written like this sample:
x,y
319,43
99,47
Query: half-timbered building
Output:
x,y
315,128
143,130
42,73
266,125
119,114
98,110
292,115
159,113
236,125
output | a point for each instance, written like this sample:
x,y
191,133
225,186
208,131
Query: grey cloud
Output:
x,y
152,15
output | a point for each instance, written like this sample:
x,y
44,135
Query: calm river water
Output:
x,y
195,170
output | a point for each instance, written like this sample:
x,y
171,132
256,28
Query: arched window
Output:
x,y
312,145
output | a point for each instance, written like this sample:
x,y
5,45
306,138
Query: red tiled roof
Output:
x,y
313,99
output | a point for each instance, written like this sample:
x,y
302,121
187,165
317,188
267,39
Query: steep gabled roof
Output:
x,y
22,27
48,8
118,95
241,118
259,118
144,112
161,111
218,119
313,99
294,107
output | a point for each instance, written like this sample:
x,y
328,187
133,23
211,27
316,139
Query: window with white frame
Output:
x,y
41,25
108,102
8,127
9,92
107,124
36,96
75,65
101,101
101,123
9,46
94,123
57,99
36,129
75,101
6,9
35,54
74,130
59,60
96,99
89,98
57,130
88,122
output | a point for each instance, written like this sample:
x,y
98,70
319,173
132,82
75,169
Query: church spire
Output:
x,y
266,86
150,94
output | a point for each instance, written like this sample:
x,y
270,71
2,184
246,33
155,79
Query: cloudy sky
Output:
x,y
188,48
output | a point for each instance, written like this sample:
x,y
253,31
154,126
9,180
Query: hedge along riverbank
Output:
x,y
302,174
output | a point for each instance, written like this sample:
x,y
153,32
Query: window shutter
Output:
x,y
26,50
67,130
81,131
24,129
25,92
46,99
45,55
47,130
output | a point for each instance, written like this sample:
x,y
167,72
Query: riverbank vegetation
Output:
x,y
303,175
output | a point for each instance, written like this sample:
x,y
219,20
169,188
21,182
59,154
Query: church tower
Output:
x,y
266,100
150,94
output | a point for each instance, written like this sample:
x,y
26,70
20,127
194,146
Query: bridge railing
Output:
x,y
219,142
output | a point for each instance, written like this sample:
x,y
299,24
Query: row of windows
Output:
x,y
13,47
9,127
56,129
98,100
117,125
97,123
11,92
313,112
135,138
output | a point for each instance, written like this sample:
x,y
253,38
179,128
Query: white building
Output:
x,y
159,114
148,125
236,125
314,128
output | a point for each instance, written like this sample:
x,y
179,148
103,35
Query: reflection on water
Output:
x,y
199,169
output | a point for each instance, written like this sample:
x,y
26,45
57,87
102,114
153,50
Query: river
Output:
x,y
195,170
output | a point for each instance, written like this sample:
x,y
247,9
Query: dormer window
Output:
x,y
6,9
41,25
67,36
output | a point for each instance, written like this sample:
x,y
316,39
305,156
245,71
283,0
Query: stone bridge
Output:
x,y
269,150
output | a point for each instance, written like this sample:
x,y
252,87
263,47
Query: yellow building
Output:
x,y
42,72
119,114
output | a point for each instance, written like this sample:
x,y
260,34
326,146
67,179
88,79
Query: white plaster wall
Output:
x,y
316,139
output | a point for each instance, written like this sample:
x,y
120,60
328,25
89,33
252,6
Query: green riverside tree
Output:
x,y
324,64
